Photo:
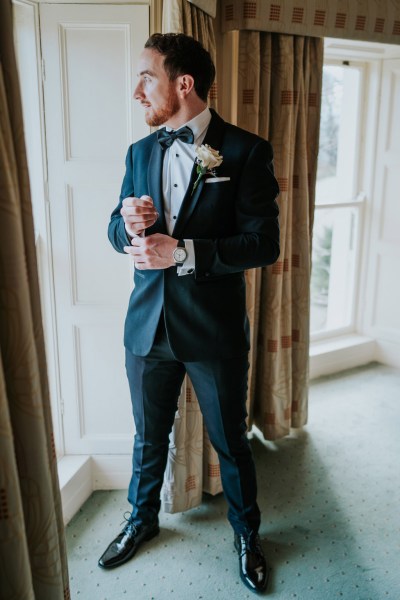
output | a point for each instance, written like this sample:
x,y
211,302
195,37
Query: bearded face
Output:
x,y
159,113
155,92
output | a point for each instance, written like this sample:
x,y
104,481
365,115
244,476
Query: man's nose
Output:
x,y
138,92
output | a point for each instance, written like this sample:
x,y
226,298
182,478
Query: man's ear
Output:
x,y
185,85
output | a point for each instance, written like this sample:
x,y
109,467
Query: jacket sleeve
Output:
x,y
116,229
257,242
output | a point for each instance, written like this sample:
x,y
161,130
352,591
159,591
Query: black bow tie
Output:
x,y
166,138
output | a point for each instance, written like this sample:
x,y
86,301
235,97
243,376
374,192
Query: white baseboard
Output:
x,y
111,472
388,353
75,477
338,354
80,475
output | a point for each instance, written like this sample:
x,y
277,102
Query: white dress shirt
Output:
x,y
177,168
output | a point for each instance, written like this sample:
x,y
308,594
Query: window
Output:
x,y
339,202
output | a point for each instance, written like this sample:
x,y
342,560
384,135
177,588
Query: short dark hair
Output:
x,y
185,56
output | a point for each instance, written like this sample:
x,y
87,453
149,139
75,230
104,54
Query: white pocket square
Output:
x,y
216,179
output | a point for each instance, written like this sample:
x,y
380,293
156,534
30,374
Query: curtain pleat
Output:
x,y
33,563
279,96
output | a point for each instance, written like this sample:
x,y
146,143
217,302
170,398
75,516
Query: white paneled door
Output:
x,y
90,53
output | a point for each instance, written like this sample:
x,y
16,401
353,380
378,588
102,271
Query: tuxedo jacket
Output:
x,y
234,225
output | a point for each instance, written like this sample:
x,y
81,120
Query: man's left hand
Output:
x,y
153,251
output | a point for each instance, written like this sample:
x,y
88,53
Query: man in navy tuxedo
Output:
x,y
193,220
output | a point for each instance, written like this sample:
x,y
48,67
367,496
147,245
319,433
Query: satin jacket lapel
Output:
x,y
213,138
154,183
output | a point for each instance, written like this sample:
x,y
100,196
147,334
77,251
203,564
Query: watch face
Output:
x,y
180,255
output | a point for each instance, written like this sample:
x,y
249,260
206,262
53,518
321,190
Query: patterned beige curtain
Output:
x,y
32,550
279,92
369,20
193,465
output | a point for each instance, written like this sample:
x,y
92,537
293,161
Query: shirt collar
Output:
x,y
198,124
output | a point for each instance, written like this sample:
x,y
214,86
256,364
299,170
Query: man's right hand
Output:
x,y
138,214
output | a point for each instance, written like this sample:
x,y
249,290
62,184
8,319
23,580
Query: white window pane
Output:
x,y
333,268
337,172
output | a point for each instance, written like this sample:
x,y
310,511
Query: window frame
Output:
x,y
359,199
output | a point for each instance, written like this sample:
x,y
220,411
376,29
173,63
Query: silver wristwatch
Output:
x,y
180,253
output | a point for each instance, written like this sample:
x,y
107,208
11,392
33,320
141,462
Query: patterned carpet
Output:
x,y
330,501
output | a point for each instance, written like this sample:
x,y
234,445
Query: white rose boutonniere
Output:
x,y
207,161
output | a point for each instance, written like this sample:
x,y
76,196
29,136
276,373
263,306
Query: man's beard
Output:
x,y
163,114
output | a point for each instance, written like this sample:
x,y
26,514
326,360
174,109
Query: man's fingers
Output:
x,y
141,220
140,223
137,241
148,223
138,213
135,252
133,217
133,201
145,201
140,262
127,211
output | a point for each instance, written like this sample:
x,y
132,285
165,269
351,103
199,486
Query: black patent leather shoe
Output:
x,y
253,569
126,543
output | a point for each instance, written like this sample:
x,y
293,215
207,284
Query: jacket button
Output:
x,y
207,274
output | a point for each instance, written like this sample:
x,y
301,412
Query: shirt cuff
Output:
x,y
189,265
130,235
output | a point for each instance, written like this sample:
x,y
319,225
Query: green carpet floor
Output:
x,y
330,500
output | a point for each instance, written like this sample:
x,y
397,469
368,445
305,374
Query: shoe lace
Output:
x,y
130,526
251,544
